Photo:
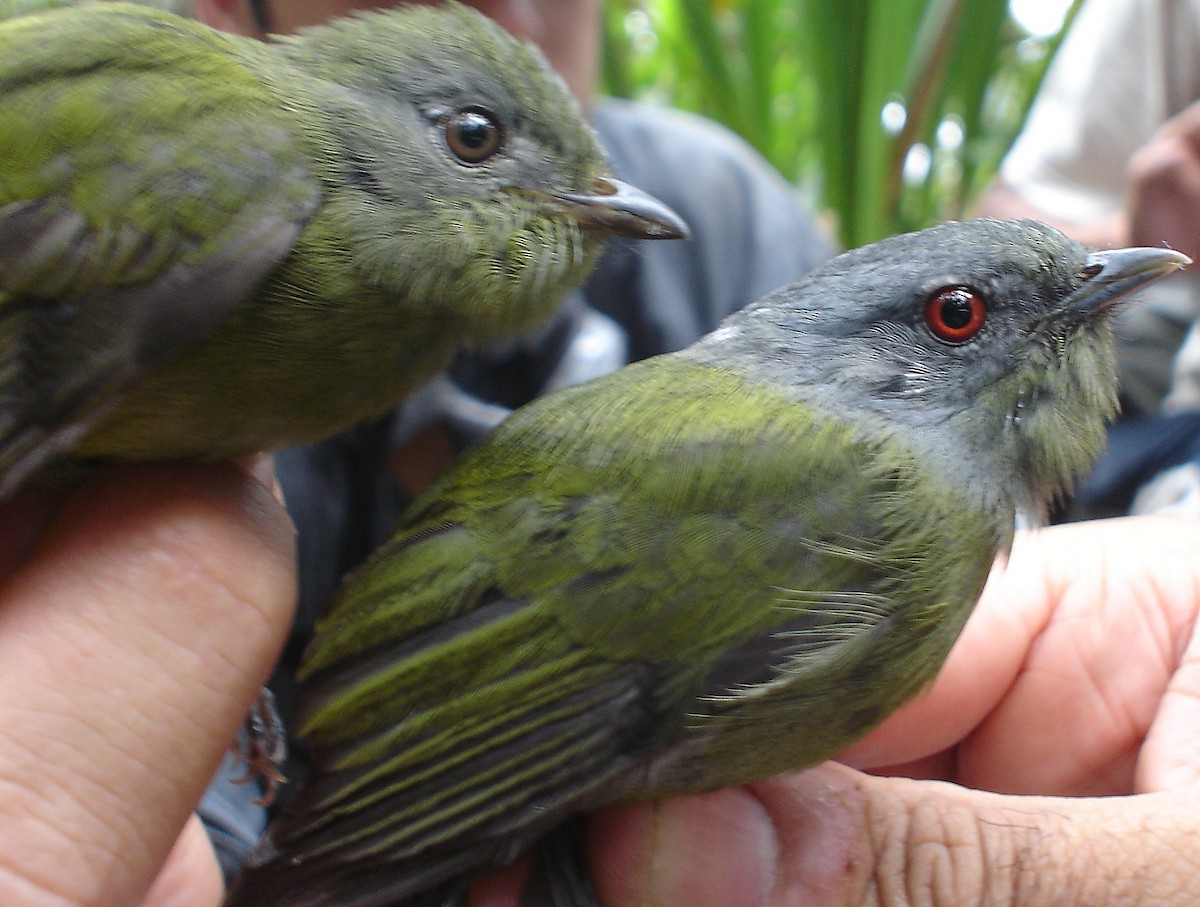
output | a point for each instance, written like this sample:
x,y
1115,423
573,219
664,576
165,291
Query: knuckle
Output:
x,y
943,851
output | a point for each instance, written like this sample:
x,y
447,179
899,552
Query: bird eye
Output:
x,y
955,314
472,134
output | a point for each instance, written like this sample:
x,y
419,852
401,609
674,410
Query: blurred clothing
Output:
x,y
1152,465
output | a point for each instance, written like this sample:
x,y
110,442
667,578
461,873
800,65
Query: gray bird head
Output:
x,y
985,344
448,128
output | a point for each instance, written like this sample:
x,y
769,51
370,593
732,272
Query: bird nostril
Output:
x,y
1090,271
604,186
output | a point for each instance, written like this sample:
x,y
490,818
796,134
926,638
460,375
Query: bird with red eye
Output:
x,y
955,314
473,134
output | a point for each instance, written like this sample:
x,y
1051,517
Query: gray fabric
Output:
x,y
233,820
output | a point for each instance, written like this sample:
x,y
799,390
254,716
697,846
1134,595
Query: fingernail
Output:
x,y
261,468
710,850
718,848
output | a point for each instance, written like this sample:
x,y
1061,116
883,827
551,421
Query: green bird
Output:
x,y
709,567
211,245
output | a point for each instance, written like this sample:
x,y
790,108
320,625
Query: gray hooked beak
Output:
x,y
1110,276
619,209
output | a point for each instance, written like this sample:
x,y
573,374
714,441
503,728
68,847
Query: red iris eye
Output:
x,y
955,314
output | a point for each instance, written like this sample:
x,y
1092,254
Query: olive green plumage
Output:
x,y
211,246
709,567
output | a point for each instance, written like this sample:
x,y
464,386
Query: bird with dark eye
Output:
x,y
171,299
955,314
473,134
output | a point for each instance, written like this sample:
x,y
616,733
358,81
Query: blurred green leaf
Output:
x,y
806,82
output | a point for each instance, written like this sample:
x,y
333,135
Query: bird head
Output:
x,y
455,133
985,343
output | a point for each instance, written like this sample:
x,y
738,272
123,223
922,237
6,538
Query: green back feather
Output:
x,y
460,687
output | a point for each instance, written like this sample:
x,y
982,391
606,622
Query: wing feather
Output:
x,y
143,197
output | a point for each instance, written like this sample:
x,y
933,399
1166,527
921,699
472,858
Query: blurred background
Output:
x,y
888,114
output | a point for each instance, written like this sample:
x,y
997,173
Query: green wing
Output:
x,y
149,181
614,567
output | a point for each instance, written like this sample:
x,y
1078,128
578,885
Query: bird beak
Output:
x,y
619,209
1112,275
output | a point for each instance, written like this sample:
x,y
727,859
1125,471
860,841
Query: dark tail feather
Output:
x,y
559,874
437,878
558,877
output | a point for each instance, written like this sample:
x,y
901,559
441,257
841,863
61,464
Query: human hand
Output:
x,y
1076,681
1163,186
139,616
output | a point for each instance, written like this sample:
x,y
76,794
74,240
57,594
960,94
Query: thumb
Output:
x,y
135,628
834,837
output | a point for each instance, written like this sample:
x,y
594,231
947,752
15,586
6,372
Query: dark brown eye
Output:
x,y
472,134
955,314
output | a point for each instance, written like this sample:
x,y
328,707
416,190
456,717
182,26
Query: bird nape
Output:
x,y
706,568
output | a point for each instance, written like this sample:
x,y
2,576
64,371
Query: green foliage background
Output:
x,y
806,82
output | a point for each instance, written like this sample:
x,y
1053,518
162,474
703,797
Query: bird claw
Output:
x,y
262,745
